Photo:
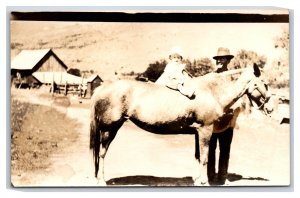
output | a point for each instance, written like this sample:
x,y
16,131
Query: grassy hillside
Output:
x,y
101,47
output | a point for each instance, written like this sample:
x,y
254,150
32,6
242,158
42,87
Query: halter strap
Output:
x,y
265,98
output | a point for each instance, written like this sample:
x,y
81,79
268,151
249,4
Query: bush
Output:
x,y
278,72
154,70
245,58
74,71
196,68
199,67
16,45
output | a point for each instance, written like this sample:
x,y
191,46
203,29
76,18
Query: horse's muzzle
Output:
x,y
268,109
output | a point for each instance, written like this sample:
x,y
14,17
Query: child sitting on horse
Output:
x,y
175,75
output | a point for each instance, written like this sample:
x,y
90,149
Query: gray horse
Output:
x,y
160,110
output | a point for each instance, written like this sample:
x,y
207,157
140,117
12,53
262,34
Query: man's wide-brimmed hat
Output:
x,y
223,52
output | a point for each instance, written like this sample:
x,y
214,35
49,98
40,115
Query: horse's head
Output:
x,y
258,92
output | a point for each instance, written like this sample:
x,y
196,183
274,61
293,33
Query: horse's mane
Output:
x,y
216,82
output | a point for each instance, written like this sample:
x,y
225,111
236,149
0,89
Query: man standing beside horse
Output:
x,y
222,130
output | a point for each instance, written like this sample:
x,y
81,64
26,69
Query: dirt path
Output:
x,y
133,152
73,166
260,157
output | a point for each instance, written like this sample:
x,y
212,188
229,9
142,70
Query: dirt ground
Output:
x,y
260,154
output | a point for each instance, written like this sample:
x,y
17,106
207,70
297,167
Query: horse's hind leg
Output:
x,y
106,137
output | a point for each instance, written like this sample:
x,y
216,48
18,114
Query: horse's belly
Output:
x,y
162,116
159,127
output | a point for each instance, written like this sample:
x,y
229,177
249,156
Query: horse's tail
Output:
x,y
95,140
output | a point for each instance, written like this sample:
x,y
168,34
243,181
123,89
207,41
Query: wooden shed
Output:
x,y
92,82
29,61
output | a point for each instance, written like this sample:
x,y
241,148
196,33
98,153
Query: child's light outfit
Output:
x,y
175,77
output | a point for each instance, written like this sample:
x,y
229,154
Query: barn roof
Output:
x,y
58,77
27,59
92,77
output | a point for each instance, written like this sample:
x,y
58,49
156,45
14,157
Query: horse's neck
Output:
x,y
232,94
225,90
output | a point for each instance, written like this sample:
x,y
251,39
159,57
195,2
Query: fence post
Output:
x,y
52,88
66,88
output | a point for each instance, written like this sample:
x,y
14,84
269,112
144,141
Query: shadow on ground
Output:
x,y
232,177
151,181
170,181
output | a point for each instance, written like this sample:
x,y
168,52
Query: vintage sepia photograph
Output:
x,y
150,98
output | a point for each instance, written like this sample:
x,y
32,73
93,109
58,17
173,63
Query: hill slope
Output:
x,y
106,47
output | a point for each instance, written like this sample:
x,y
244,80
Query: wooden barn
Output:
x,y
92,82
28,62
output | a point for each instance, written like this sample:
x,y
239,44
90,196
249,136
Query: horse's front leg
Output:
x,y
204,135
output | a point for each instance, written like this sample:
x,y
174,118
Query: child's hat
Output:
x,y
176,50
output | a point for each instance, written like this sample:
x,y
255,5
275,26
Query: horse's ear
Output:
x,y
256,70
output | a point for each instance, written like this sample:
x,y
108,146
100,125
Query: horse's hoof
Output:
x,y
101,182
198,182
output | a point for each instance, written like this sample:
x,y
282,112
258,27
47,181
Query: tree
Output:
x,y
278,70
245,58
199,67
74,71
154,70
196,68
282,41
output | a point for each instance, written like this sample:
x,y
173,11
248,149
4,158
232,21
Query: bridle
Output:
x,y
263,98
260,100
